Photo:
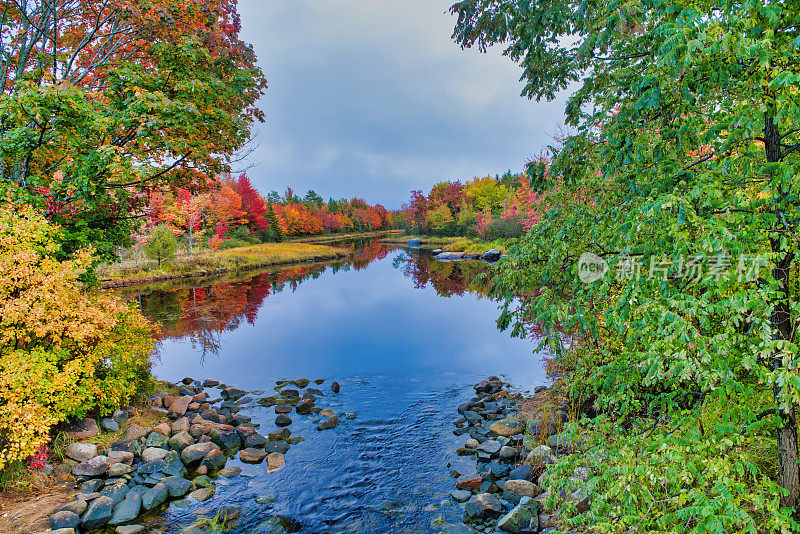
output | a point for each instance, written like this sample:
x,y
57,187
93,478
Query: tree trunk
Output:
x,y
781,322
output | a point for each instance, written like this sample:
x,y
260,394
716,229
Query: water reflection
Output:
x,y
199,314
404,355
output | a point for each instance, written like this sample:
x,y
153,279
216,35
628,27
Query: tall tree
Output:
x,y
101,101
686,116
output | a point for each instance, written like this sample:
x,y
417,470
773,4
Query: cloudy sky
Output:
x,y
371,98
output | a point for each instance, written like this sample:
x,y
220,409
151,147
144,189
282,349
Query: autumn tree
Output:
x,y
101,101
253,204
190,210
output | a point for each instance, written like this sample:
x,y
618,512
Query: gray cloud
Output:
x,y
371,98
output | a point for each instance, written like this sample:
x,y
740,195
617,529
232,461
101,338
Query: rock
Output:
x,y
508,453
278,436
515,489
301,383
490,447
540,455
461,495
129,529
230,472
81,452
163,429
414,242
469,482
331,422
151,454
203,494
304,408
523,472
483,504
283,420
180,405
78,506
283,408
155,496
127,510
98,513
134,432
254,441
275,460
277,446
210,383
335,387
472,443
177,486
156,439
232,394
118,470
228,440
214,461
180,425
252,456
82,429
508,427
95,467
64,519
194,454
492,254
327,412
151,467
109,425
121,457
521,517
180,441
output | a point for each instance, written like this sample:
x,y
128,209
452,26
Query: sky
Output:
x,y
372,99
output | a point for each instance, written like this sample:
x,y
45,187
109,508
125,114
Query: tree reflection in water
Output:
x,y
201,311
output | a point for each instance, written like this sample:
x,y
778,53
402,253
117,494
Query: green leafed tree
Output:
x,y
162,244
685,118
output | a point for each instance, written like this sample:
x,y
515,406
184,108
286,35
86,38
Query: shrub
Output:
x,y
63,351
162,244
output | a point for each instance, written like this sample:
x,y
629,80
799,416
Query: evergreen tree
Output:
x,y
274,226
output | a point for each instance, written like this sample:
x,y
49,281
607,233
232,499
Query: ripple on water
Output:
x,y
386,471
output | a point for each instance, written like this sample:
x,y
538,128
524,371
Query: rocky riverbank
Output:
x,y
180,458
513,447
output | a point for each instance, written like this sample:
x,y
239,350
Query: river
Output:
x,y
404,336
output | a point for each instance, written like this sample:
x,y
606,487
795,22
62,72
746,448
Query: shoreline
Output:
x,y
119,284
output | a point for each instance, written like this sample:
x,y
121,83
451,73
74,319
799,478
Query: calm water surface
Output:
x,y
405,339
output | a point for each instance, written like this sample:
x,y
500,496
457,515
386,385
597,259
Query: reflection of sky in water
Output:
x,y
360,323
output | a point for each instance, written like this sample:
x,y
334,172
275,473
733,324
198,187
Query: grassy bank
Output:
x,y
451,244
334,238
207,262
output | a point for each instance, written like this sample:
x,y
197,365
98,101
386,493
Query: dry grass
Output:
x,y
209,262
333,238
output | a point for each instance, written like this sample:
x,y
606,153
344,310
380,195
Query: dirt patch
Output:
x,y
25,514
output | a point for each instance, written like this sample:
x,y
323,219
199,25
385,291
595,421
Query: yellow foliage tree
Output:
x,y
64,351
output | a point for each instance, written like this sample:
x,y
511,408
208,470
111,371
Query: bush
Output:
x,y
162,244
64,352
